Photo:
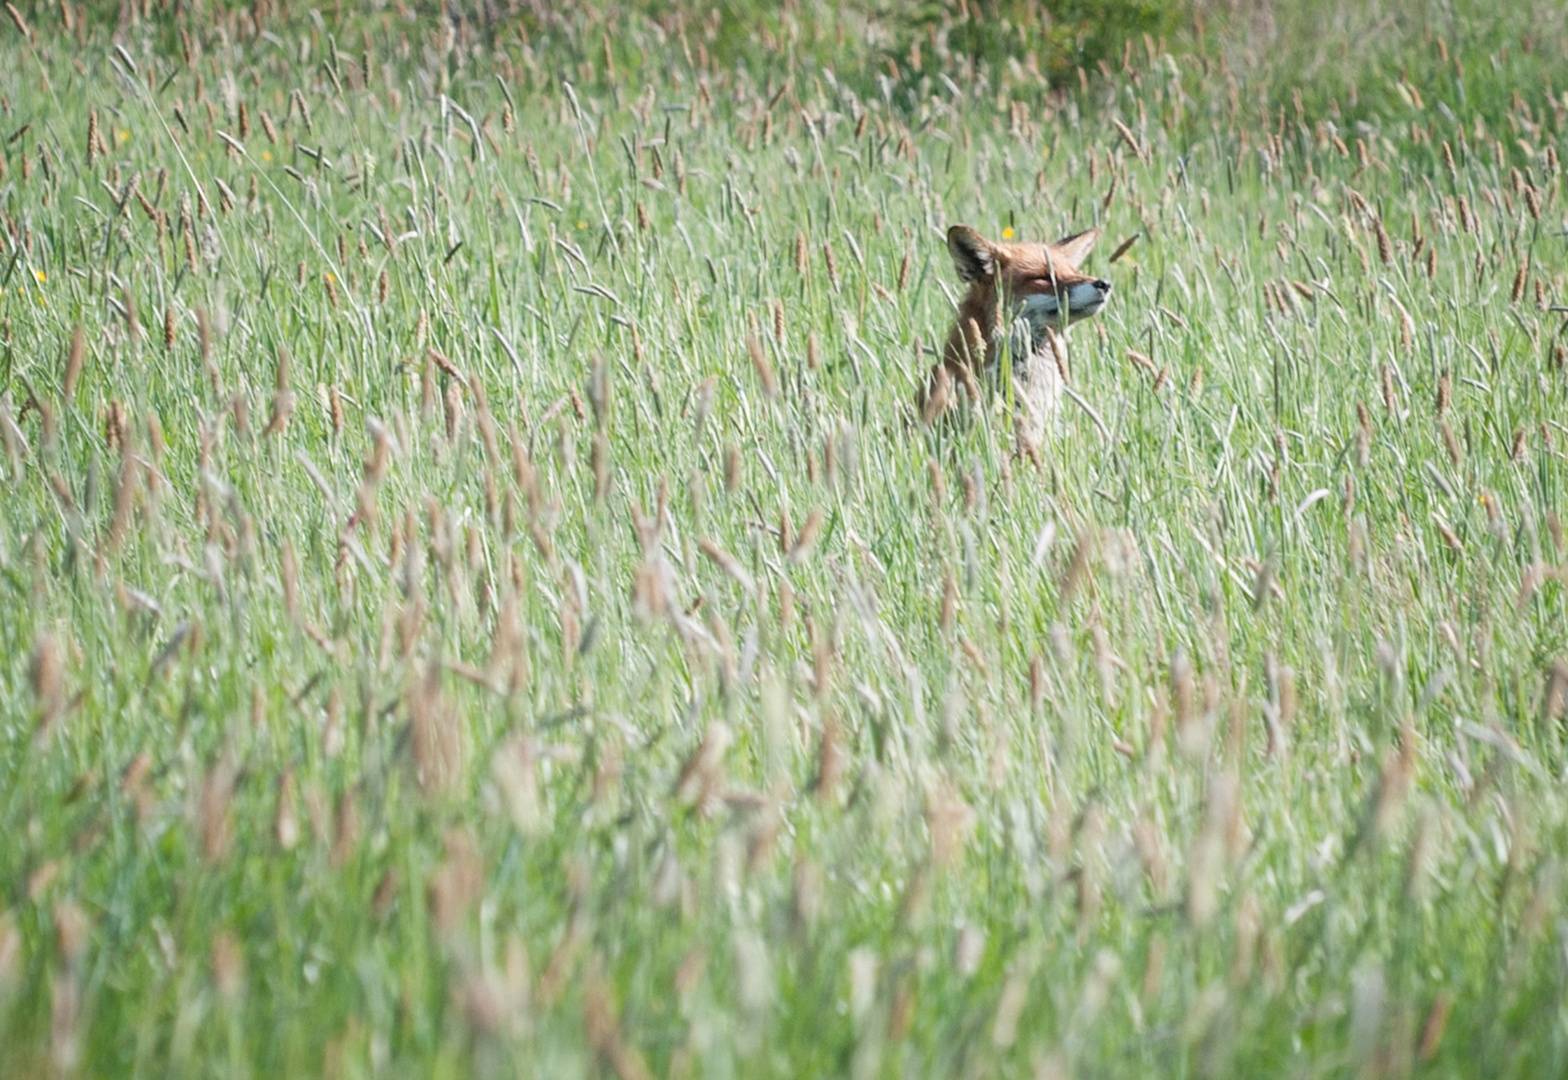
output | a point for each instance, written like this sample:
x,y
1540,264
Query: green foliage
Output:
x,y
480,599
1061,37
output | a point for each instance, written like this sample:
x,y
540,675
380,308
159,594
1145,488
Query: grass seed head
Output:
x,y
285,822
764,369
701,776
599,460
1206,858
807,538
75,360
335,410
228,968
126,490
704,396
1450,443
1450,538
297,101
436,735
212,820
949,820
1037,686
73,933
133,328
516,777
1183,689
46,678
1555,702
457,884
1435,1025
1394,782
731,469
832,759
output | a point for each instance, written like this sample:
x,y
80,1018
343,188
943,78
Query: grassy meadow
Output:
x,y
479,600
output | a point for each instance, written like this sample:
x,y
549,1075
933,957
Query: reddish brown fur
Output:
x,y
1021,270
1016,270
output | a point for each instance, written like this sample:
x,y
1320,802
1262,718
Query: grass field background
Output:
x,y
479,599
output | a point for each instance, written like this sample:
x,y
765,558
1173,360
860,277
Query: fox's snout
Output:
x,y
1083,298
1096,293
1102,292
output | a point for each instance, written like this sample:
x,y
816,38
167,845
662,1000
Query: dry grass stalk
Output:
x,y
949,820
285,822
457,884
731,566
212,812
832,760
764,369
228,968
701,776
46,677
75,360
604,1033
516,777
806,540
282,397
436,736
1385,243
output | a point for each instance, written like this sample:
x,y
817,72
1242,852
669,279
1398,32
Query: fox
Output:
x,y
1021,297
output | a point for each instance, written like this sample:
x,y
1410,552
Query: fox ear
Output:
x,y
972,253
1073,249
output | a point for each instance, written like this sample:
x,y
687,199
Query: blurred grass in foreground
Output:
x,y
479,599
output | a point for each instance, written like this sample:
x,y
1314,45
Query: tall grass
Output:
x,y
481,600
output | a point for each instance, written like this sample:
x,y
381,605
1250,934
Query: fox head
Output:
x,y
1038,282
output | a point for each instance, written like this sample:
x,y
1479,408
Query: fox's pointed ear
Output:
x,y
972,253
1073,249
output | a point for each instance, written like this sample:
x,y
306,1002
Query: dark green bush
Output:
x,y
1060,36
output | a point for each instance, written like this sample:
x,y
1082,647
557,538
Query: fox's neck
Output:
x,y
980,331
974,339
